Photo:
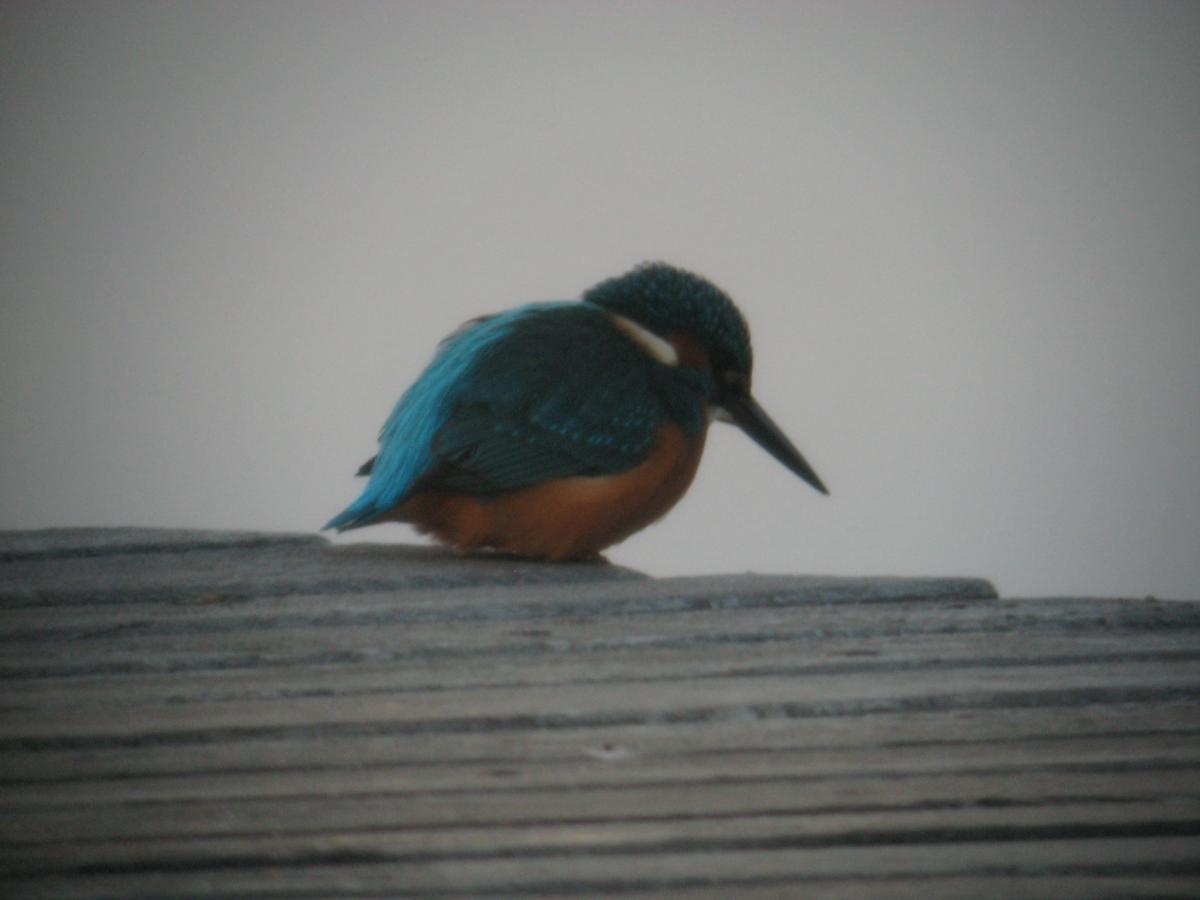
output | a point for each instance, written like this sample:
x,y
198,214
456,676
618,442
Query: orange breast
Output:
x,y
569,518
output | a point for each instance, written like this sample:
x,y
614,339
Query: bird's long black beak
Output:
x,y
753,419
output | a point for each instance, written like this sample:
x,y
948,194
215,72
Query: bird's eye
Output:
x,y
735,380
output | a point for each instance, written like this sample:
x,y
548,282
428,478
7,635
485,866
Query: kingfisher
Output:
x,y
555,430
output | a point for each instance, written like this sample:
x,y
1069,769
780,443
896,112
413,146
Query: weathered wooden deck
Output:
x,y
206,714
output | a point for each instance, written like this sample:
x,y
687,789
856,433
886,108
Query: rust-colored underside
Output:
x,y
569,518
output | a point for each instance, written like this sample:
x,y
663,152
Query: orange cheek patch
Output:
x,y
569,518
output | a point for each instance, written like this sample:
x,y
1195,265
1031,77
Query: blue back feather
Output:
x,y
406,439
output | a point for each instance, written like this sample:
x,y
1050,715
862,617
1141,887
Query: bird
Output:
x,y
555,430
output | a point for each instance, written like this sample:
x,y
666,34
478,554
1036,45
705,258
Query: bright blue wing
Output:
x,y
542,392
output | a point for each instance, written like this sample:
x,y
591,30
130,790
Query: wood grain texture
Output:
x,y
212,714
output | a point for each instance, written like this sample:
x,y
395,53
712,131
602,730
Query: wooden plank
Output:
x,y
922,888
342,691
136,649
56,544
1105,755
142,700
443,602
105,567
265,715
589,705
507,841
1022,791
658,658
1038,733
629,601
864,867
1000,883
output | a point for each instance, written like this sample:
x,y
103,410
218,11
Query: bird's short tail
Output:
x,y
361,512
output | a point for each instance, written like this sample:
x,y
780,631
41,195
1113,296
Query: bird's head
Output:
x,y
683,319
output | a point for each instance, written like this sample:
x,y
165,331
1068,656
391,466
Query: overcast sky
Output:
x,y
966,237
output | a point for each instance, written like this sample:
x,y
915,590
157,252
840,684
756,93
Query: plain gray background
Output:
x,y
966,236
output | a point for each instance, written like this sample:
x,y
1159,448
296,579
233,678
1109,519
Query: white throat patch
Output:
x,y
657,347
